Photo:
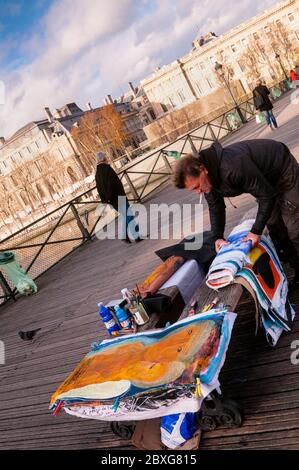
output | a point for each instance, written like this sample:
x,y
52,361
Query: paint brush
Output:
x,y
211,305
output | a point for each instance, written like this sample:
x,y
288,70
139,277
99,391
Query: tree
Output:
x,y
280,39
100,130
262,49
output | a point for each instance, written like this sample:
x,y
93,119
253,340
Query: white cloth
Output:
x,y
187,278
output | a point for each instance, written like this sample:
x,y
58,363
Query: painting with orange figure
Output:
x,y
147,361
159,276
264,269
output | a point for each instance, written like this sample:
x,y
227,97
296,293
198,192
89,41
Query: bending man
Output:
x,y
263,168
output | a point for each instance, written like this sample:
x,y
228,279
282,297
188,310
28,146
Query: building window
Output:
x,y
209,83
233,48
202,66
171,101
71,174
40,190
152,114
256,36
29,149
291,17
182,96
199,88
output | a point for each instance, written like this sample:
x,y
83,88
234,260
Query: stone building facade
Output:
x,y
40,169
274,32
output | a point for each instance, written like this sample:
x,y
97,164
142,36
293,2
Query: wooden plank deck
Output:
x,y
263,379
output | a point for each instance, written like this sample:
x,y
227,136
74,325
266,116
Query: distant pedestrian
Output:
x,y
297,70
263,103
111,191
293,75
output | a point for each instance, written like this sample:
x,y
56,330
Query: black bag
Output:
x,y
258,100
157,303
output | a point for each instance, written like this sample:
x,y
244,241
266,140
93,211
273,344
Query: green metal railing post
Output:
x,y
84,231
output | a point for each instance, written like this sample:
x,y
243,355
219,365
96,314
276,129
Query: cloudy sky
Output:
x,y
57,51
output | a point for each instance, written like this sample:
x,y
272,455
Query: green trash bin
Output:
x,y
24,284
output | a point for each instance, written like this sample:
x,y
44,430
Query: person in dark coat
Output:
x,y
110,188
263,168
263,103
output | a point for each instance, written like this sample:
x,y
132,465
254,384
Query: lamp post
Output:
x,y
220,72
277,56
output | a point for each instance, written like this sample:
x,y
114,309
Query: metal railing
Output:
x,y
46,241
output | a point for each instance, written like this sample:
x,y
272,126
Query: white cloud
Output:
x,y
85,49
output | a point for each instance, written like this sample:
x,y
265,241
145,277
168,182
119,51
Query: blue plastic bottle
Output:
x,y
108,319
122,317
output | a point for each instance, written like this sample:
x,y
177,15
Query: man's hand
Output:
x,y
219,243
253,238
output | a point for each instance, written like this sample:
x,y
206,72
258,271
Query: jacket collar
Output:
x,y
211,159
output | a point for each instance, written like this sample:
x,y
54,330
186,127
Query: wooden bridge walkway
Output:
x,y
65,308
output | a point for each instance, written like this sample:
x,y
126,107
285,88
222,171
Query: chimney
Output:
x,y
132,89
88,105
59,113
2,140
110,100
49,114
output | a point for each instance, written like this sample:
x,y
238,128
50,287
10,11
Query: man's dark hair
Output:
x,y
189,165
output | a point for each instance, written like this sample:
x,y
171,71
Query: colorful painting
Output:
x,y
264,275
160,363
259,270
160,275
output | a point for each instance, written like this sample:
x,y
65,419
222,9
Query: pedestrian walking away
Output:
x,y
263,103
111,191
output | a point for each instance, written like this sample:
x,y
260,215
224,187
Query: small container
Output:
x,y
108,319
126,295
122,317
138,312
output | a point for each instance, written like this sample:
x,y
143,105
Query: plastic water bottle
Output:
x,y
108,319
122,317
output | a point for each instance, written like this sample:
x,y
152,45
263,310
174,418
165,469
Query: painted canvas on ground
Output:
x,y
149,374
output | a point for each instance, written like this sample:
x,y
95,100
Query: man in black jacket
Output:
x,y
110,188
263,168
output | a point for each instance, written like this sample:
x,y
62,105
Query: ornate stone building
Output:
x,y
266,46
40,169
